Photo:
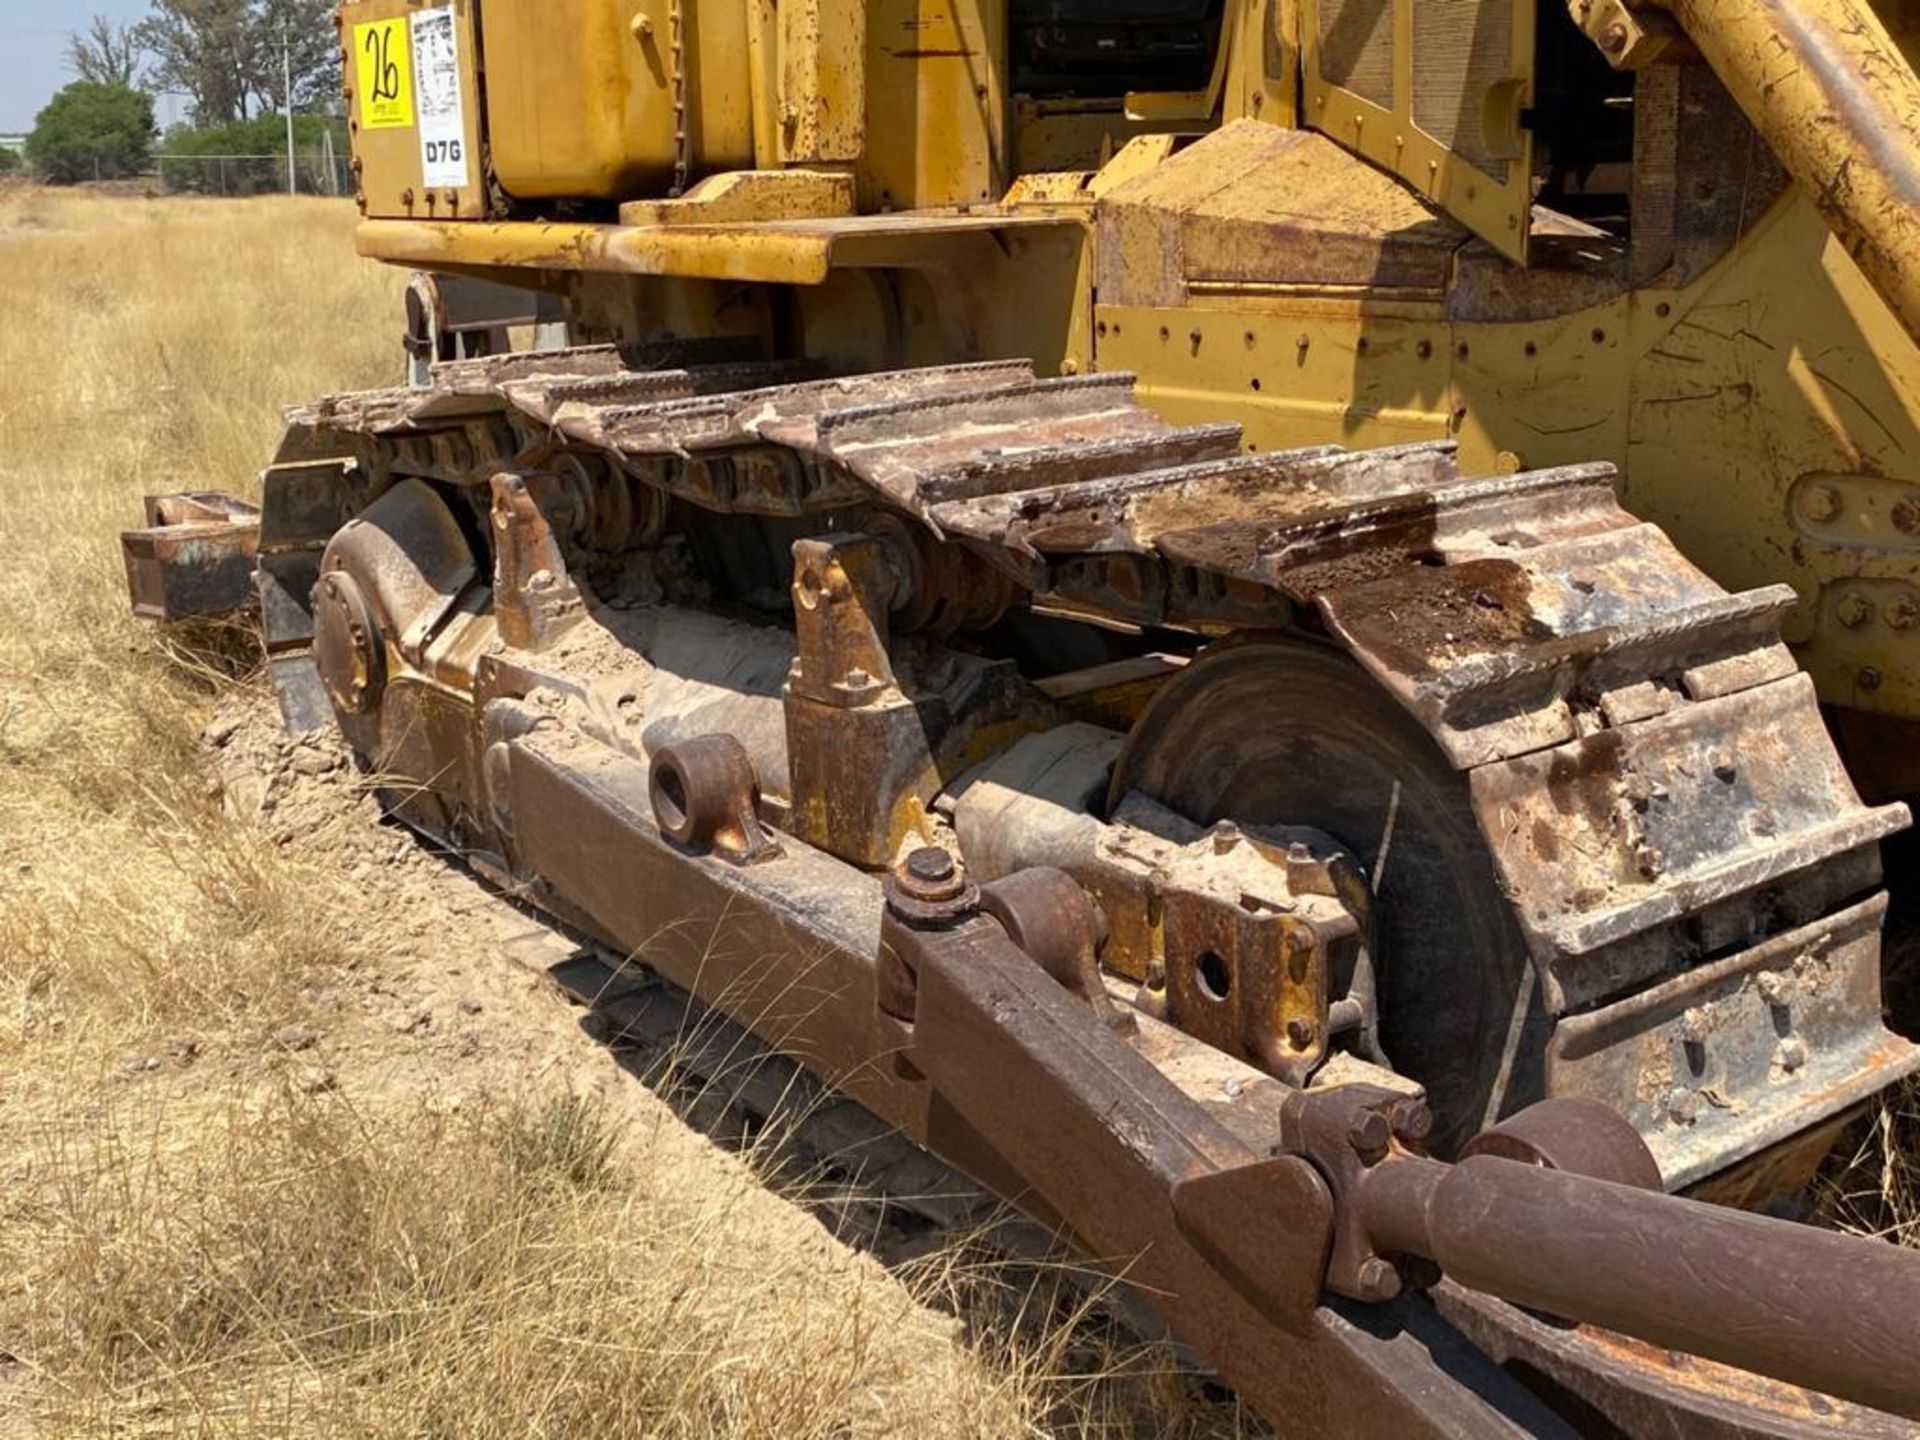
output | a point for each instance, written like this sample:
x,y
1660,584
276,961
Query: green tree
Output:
x,y
92,132
228,56
9,160
190,152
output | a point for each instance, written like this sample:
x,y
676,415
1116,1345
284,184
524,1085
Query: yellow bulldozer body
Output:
x,y
1324,241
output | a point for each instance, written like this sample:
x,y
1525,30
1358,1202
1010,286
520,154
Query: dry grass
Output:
x,y
1871,1184
190,1242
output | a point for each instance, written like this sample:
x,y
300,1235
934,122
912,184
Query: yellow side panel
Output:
x,y
936,103
1432,91
413,106
1776,434
823,80
587,99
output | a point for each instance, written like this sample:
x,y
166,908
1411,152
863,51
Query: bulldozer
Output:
x,y
1276,626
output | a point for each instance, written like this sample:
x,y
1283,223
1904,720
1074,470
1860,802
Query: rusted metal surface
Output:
x,y
196,556
1624,1386
705,796
1536,639
1229,1243
1026,1065
1312,855
1778,1014
1787,1301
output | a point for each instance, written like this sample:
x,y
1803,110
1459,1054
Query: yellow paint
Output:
x,y
586,98
378,36
1495,207
855,183
383,59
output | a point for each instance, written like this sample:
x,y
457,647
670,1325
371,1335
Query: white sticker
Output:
x,y
436,79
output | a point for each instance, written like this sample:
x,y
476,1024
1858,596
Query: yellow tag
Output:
x,y
385,55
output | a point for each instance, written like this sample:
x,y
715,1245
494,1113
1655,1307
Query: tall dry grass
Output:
x,y
190,1243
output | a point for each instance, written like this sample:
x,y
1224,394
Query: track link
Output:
x,y
1647,765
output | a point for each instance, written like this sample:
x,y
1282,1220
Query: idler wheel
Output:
x,y
348,648
1294,733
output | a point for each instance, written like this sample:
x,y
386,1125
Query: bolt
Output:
x,y
931,866
1869,678
1301,1033
1772,987
1614,38
642,26
1853,610
1906,517
1652,861
1902,612
1377,1281
930,888
1412,1121
1793,1054
1683,1107
1820,503
1693,1026
1370,1134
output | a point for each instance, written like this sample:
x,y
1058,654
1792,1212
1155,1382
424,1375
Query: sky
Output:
x,y
33,43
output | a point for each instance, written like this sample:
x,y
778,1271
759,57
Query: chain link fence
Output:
x,y
322,171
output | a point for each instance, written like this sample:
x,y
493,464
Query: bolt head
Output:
x,y
1693,1026
1614,38
1820,503
1906,516
1412,1121
1853,611
931,865
930,887
1370,1134
1772,986
1683,1107
1793,1054
1378,1281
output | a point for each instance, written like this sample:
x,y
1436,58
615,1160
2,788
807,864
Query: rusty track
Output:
x,y
1672,829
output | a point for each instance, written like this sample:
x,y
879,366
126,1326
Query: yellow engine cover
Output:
x,y
587,99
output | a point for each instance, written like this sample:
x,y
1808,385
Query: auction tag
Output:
x,y
386,75
443,121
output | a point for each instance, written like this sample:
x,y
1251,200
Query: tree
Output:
x,y
314,44
203,48
105,53
226,54
9,160
92,132
191,153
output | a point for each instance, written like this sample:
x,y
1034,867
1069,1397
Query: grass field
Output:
x,y
196,1236
193,1238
